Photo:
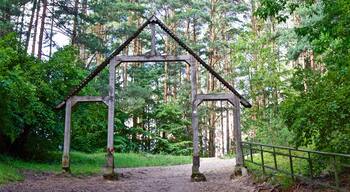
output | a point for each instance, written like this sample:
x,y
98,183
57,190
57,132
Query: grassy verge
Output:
x,y
274,177
83,163
322,169
8,173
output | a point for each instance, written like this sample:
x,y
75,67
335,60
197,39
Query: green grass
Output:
x,y
9,173
84,164
283,163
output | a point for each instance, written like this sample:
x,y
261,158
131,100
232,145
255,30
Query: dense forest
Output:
x,y
290,58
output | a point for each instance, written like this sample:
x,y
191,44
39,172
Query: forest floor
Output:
x,y
148,179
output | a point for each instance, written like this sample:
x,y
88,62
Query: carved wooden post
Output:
x,y
239,169
153,40
67,133
196,175
237,129
109,168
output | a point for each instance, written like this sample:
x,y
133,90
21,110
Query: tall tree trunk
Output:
x,y
82,51
22,23
36,27
176,83
165,82
75,22
188,35
42,28
211,83
30,25
51,28
255,99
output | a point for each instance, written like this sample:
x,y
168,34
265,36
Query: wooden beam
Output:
x,y
195,129
237,130
78,99
111,105
67,140
109,168
216,97
156,58
153,40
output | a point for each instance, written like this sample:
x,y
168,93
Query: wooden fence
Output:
x,y
314,167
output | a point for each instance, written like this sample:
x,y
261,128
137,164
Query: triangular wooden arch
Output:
x,y
152,20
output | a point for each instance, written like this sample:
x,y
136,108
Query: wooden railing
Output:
x,y
315,167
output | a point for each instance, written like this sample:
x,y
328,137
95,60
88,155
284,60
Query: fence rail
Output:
x,y
303,164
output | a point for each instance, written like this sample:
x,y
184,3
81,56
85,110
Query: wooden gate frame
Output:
x,y
113,61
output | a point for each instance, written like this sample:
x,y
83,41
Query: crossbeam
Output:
x,y
216,97
77,99
90,98
157,58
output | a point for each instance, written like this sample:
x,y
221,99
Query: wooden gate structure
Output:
x,y
114,60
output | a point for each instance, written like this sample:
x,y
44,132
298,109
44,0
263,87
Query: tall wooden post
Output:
x,y
153,39
239,170
67,133
109,168
237,129
196,175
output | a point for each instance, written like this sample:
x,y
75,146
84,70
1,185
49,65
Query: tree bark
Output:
x,y
42,28
30,26
82,51
36,27
51,28
211,83
165,82
22,23
75,22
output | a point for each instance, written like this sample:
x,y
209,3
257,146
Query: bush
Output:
x,y
30,89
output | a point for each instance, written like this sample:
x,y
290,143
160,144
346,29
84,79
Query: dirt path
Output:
x,y
151,179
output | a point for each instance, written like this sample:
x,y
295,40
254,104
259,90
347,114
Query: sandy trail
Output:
x,y
148,179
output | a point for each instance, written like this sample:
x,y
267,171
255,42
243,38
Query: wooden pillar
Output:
x,y
228,141
153,40
109,168
196,175
195,166
239,169
237,129
67,134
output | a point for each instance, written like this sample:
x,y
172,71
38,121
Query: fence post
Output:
x,y
336,176
251,152
243,160
262,159
274,157
310,165
291,163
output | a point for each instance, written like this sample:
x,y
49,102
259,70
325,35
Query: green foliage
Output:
x,y
89,129
31,89
318,114
279,9
8,8
256,60
175,139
